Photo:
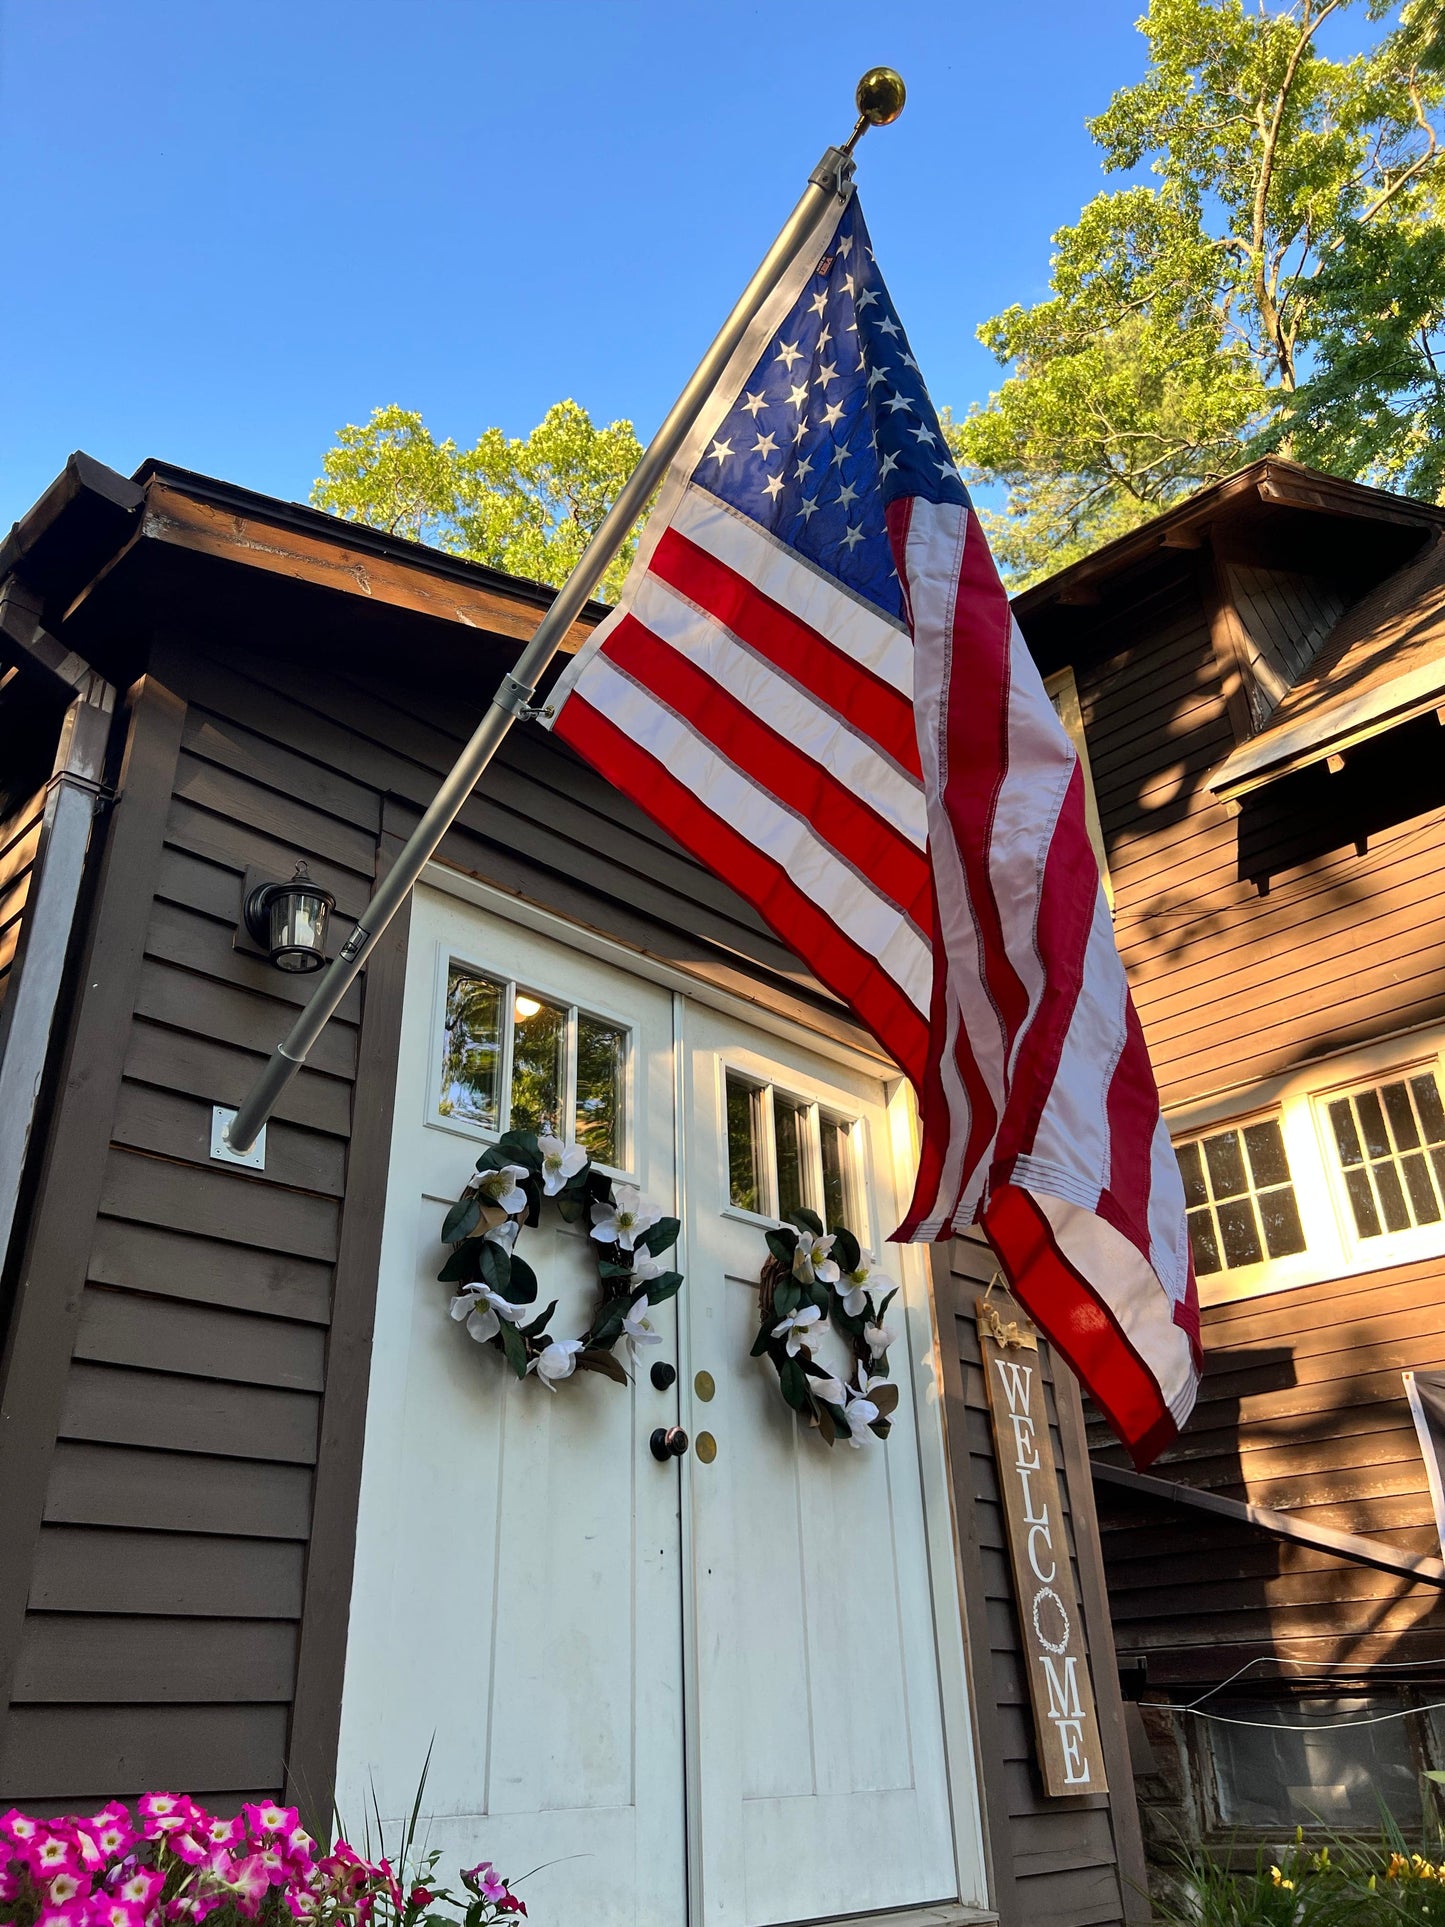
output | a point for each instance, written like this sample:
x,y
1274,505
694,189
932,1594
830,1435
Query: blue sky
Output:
x,y
232,228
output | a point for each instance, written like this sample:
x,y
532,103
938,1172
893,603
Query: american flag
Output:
x,y
814,682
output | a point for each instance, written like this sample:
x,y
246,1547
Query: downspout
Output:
x,y
72,795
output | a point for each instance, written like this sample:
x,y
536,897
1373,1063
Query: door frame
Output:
x,y
953,1637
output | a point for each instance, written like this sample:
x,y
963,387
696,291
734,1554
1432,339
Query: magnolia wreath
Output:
x,y
497,1289
812,1279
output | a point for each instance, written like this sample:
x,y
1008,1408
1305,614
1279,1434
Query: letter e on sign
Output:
x,y
1061,1694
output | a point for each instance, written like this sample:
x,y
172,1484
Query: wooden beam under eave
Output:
x,y
1230,641
204,528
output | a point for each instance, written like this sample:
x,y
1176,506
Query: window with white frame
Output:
x,y
1239,1196
516,1060
787,1152
1388,1141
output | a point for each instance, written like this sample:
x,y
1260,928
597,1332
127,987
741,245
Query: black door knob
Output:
x,y
662,1375
668,1442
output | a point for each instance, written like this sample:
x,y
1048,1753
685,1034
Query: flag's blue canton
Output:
x,y
833,424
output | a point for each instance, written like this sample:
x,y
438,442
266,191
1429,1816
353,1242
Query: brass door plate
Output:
x,y
704,1387
706,1447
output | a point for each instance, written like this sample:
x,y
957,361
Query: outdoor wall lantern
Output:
x,y
288,921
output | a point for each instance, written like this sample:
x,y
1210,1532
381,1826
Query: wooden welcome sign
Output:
x,y
1061,1693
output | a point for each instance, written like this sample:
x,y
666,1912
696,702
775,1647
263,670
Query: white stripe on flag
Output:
x,y
876,926
853,626
1073,1133
819,733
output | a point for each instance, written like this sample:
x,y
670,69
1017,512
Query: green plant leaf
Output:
x,y
820,1294
794,1385
495,1262
658,1290
887,1301
521,1287
825,1420
609,1268
783,1244
661,1237
463,1267
572,1206
885,1397
520,1147
593,1360
607,1326
761,1343
787,1297
493,1159
461,1220
515,1346
806,1220
846,1249
539,1325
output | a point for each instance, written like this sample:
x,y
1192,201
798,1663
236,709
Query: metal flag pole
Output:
x,y
880,97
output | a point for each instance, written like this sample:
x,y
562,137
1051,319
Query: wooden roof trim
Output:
x,y
1272,482
176,516
1282,1525
1330,732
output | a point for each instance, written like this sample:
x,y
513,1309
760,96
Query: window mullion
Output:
x,y
509,1025
770,1152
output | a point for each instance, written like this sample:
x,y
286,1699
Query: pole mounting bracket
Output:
x,y
516,699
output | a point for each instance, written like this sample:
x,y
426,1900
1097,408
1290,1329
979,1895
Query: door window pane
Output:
x,y
601,1070
1390,1143
745,1138
539,1064
837,1147
472,1051
1239,1197
790,1137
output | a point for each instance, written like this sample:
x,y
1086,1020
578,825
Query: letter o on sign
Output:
x,y
1060,1645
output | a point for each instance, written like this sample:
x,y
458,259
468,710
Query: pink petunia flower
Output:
x,y
270,1818
49,1853
18,1826
10,1884
70,1913
189,1846
224,1833
109,1912
67,1886
141,1886
91,1853
249,1882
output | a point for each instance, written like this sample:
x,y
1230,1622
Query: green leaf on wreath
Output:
x,y
793,1383
783,1244
521,1287
761,1343
493,1159
538,1325
532,1191
885,1397
806,1220
658,1290
845,1250
888,1300
600,1361
661,1237
825,1421
820,1294
520,1147
515,1346
880,1428
495,1262
787,1297
462,1267
836,1414
461,1220
571,1205
609,1268
607,1327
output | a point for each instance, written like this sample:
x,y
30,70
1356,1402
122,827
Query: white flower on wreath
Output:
x,y
831,1390
637,1329
501,1188
878,1338
560,1162
624,1218
811,1261
559,1360
797,1329
855,1287
860,1411
503,1234
645,1267
484,1311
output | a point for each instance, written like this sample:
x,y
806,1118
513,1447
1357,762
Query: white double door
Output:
x,y
724,1690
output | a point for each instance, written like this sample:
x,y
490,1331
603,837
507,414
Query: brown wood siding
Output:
x,y
1302,1406
19,844
1074,1862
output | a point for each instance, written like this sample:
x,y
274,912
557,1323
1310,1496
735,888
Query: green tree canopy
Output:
x,y
526,504
1279,286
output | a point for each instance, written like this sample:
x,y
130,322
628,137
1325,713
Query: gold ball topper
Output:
x,y
880,96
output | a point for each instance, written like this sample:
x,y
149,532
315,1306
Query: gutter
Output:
x,y
1423,1570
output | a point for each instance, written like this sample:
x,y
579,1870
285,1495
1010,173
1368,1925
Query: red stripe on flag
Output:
x,y
893,866
846,969
1078,1324
868,704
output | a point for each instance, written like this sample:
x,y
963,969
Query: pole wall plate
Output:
x,y
252,1160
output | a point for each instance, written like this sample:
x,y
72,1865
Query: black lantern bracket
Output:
x,y
284,922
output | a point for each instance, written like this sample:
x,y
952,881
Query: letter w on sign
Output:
x,y
814,682
1051,1632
